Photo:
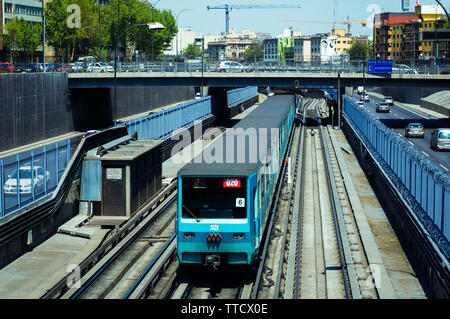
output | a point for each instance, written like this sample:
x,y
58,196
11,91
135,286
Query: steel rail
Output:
x,y
336,211
121,248
111,244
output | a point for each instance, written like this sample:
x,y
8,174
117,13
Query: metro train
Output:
x,y
225,193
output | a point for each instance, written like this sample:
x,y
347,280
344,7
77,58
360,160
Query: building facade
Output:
x,y
412,36
228,49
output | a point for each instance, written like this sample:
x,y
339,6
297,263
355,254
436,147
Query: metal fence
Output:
x,y
31,175
240,95
424,181
163,123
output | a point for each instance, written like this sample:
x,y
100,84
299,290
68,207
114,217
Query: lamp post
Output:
x,y
176,23
151,26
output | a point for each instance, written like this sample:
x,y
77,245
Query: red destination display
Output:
x,y
231,183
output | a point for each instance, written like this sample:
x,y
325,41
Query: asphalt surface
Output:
x,y
398,118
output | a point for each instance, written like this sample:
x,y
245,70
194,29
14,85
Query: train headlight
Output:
x,y
189,235
238,236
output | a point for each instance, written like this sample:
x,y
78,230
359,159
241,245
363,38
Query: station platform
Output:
x,y
33,274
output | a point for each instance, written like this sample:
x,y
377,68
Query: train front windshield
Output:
x,y
214,198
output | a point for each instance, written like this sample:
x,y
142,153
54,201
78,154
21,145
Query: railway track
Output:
x,y
315,251
311,248
122,251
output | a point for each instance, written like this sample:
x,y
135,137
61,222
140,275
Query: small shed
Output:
x,y
119,177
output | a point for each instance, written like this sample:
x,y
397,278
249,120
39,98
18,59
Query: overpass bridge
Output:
x,y
261,79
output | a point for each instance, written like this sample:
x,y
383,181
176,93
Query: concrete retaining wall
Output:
x,y
33,108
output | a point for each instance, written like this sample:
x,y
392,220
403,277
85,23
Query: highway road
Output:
x,y
399,116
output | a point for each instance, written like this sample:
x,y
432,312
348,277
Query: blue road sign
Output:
x,y
379,66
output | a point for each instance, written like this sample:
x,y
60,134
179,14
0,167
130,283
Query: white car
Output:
x,y
100,67
39,180
198,96
230,66
360,103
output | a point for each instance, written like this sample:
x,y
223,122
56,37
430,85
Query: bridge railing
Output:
x,y
423,185
240,95
163,123
357,67
31,175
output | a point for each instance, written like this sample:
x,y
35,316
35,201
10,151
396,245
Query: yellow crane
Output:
x,y
348,23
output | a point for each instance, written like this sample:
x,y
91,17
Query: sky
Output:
x,y
203,21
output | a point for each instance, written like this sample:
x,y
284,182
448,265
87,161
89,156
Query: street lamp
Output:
x,y
151,26
176,23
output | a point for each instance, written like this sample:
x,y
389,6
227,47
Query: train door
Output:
x,y
256,197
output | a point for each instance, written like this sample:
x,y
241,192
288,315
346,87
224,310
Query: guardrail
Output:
x,y
240,95
31,175
260,67
424,186
163,123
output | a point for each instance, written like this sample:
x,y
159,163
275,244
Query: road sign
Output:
x,y
379,66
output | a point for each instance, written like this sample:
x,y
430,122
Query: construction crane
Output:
x,y
348,23
229,7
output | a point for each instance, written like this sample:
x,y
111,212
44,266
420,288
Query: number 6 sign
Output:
x,y
240,202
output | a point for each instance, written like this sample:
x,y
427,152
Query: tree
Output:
x,y
134,12
22,36
255,52
192,51
358,51
68,39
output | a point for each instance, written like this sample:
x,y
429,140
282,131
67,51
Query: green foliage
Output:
x,y
99,27
23,36
192,51
254,52
358,51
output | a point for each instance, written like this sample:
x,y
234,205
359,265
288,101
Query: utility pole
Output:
x,y
43,37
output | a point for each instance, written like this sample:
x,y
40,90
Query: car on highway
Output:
x,y
365,97
7,67
198,96
360,103
389,100
383,107
28,184
440,139
414,130
230,66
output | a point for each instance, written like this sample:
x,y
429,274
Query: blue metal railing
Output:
x,y
424,184
31,175
241,95
163,123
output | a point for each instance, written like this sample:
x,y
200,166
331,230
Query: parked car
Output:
x,y
39,178
78,67
383,107
389,100
403,69
7,67
414,130
230,66
440,139
68,67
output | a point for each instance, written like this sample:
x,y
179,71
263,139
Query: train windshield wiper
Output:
x,y
191,213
